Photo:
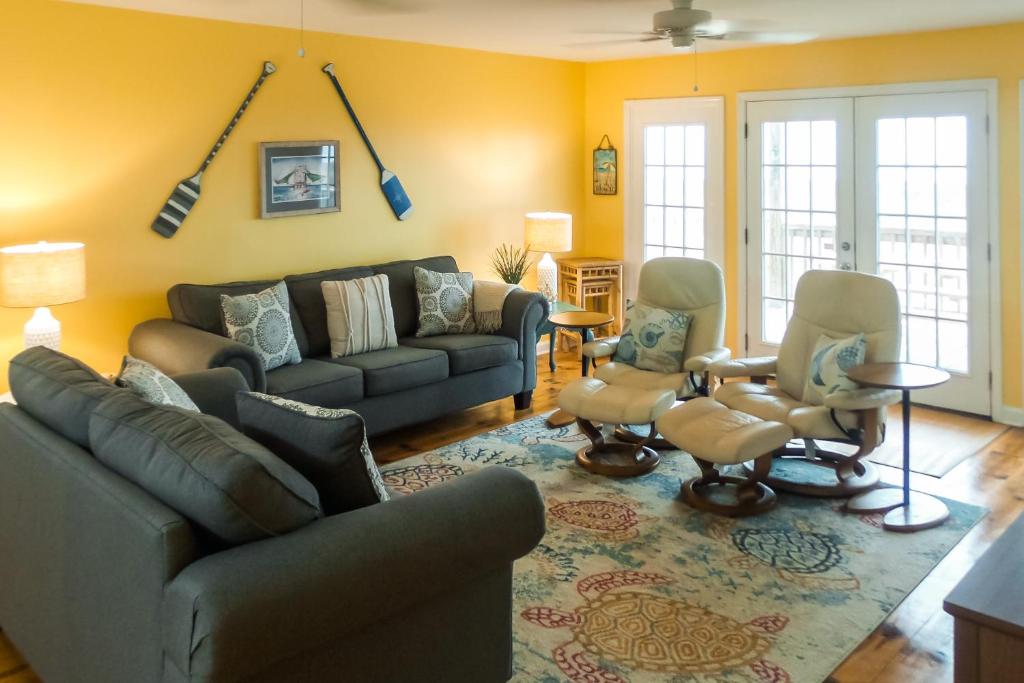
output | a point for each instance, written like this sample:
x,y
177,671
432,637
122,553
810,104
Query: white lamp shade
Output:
x,y
42,274
549,232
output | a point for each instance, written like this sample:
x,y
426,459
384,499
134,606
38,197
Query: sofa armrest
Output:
x,y
177,349
601,348
238,611
522,313
213,391
862,399
701,362
744,367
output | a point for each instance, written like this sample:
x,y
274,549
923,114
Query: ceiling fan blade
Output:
x,y
619,41
764,37
389,6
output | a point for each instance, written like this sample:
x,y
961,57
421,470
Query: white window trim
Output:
x,y
707,110
1000,411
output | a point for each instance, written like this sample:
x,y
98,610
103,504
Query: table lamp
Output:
x,y
548,232
41,275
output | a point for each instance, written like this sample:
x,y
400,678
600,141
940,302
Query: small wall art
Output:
x,y
299,178
606,168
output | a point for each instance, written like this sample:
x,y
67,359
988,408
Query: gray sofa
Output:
x,y
418,381
102,583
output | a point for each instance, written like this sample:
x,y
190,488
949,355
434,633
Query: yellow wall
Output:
x,y
991,52
102,111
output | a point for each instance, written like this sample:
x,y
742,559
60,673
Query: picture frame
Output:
x,y
299,178
606,168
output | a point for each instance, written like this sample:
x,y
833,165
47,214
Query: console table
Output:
x,y
988,611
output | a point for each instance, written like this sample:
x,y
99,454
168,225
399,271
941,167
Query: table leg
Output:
x,y
919,510
551,348
586,335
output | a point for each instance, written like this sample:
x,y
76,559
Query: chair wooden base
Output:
x,y
615,459
627,435
749,495
796,473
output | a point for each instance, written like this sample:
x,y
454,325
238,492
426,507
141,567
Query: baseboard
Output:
x,y
1008,415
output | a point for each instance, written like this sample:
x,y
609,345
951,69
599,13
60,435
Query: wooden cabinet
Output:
x,y
988,611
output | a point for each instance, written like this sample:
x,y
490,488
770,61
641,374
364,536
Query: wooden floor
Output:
x,y
915,644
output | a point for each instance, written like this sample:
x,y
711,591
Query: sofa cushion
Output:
x,y
403,288
470,352
308,303
198,465
317,382
199,306
326,445
397,369
58,390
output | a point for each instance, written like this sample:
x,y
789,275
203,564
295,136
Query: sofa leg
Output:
x,y
523,400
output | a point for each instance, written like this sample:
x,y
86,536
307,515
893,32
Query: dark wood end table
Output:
x,y
907,510
583,322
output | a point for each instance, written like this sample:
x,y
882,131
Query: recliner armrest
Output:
x,y
601,348
862,399
702,362
744,367
177,349
238,611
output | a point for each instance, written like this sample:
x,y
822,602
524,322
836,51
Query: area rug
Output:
x,y
631,585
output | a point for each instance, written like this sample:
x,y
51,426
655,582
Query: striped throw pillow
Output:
x,y
359,315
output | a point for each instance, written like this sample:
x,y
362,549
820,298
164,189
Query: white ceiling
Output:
x,y
556,28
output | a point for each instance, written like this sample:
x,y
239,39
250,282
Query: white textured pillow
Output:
x,y
359,315
829,363
146,380
263,322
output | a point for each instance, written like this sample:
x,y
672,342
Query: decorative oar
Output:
x,y
389,183
186,193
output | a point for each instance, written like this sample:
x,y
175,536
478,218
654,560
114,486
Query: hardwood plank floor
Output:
x,y
914,644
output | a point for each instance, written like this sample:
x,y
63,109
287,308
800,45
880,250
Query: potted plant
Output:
x,y
511,263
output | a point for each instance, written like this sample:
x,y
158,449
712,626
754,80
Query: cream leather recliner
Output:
x,y
683,284
838,304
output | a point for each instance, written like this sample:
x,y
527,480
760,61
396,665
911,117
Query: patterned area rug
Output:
x,y
632,585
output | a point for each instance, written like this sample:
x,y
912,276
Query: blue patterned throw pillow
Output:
x,y
263,322
829,363
653,338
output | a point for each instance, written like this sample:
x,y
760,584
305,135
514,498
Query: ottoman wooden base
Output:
x,y
614,459
729,495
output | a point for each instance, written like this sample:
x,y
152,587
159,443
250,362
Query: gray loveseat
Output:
x,y
418,381
100,582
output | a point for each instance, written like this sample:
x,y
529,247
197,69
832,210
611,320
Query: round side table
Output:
x,y
907,510
583,322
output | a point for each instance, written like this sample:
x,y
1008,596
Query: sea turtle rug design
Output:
x,y
611,517
412,478
809,559
623,622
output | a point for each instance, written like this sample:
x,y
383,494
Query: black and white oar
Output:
x,y
389,183
186,193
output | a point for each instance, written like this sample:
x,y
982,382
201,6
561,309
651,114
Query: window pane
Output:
x,y
892,190
695,228
653,252
823,188
953,293
773,143
922,241
695,145
892,144
674,233
897,275
774,188
774,239
921,141
655,143
674,186
774,276
674,251
823,241
774,320
695,186
921,191
654,228
798,188
798,142
674,142
796,267
951,136
655,184
799,231
952,191
953,346
921,340
823,142
952,242
921,296
892,239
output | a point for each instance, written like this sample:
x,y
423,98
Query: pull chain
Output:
x,y
696,88
302,28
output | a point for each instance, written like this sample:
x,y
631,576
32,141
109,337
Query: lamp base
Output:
x,y
547,277
42,329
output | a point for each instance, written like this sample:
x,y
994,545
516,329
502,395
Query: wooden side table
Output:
x,y
907,510
551,330
592,278
583,322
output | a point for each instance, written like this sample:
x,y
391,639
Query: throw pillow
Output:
x,y
653,338
146,380
212,474
326,445
58,390
359,315
263,321
445,302
829,363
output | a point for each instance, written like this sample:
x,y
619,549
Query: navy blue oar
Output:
x,y
186,193
389,183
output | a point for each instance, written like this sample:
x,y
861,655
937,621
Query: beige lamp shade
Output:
x,y
42,274
549,232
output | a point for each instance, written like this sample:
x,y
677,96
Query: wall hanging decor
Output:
x,y
299,178
186,193
606,168
389,183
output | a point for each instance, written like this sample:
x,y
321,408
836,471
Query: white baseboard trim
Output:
x,y
1008,415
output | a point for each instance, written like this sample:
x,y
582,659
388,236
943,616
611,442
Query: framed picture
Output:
x,y
299,178
606,168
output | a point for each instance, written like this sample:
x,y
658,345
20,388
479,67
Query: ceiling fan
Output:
x,y
683,25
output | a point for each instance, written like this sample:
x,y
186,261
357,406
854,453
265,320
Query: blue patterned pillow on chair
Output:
x,y
829,363
653,338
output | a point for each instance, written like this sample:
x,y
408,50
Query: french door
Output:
x,y
893,185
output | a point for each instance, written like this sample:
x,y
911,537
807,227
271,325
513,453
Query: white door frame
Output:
x,y
1000,412
707,110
